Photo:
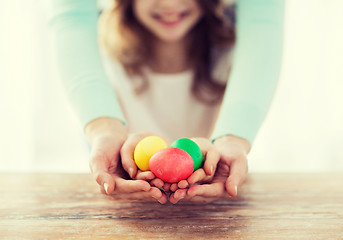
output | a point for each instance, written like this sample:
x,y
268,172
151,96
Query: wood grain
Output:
x,y
269,206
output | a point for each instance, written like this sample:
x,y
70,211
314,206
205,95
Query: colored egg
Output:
x,y
171,165
147,147
191,148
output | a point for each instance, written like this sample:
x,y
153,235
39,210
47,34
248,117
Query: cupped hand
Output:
x,y
211,157
129,165
107,136
231,172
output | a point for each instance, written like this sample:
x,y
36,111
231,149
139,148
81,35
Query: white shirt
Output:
x,y
167,108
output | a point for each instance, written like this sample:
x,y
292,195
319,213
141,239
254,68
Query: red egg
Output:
x,y
171,165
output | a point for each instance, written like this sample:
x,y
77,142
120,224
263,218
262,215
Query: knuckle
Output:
x,y
98,178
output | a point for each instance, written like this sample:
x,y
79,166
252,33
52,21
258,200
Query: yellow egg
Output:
x,y
147,147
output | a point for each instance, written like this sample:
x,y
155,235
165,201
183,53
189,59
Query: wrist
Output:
x,y
233,140
105,126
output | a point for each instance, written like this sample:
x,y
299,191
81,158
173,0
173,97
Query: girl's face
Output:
x,y
168,20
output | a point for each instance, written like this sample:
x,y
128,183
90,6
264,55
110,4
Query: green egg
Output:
x,y
191,148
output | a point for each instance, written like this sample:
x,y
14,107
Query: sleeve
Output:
x,y
255,70
74,31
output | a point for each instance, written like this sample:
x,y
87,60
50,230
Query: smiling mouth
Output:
x,y
170,19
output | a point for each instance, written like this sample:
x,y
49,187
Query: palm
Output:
x,y
230,173
114,165
222,173
115,168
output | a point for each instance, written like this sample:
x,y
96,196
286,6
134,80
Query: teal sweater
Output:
x,y
251,84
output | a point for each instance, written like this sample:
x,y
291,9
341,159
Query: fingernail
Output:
x,y
236,189
212,168
131,172
106,187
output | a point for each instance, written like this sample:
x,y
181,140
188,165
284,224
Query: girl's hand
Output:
x,y
203,175
129,165
231,172
107,136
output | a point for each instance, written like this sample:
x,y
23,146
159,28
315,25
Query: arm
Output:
x,y
250,90
255,70
74,27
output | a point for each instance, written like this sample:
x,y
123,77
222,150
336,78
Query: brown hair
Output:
x,y
126,40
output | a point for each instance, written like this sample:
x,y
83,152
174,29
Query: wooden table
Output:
x,y
269,206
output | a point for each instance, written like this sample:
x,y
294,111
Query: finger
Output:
x,y
211,161
106,181
180,193
212,155
177,196
155,192
213,190
183,184
166,187
238,173
198,199
163,199
100,173
197,176
157,183
102,190
126,153
147,175
130,186
173,187
172,199
204,145
158,195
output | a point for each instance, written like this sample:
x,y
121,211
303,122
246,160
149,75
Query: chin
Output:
x,y
171,38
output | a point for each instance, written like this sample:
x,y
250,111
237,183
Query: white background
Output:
x,y
302,132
